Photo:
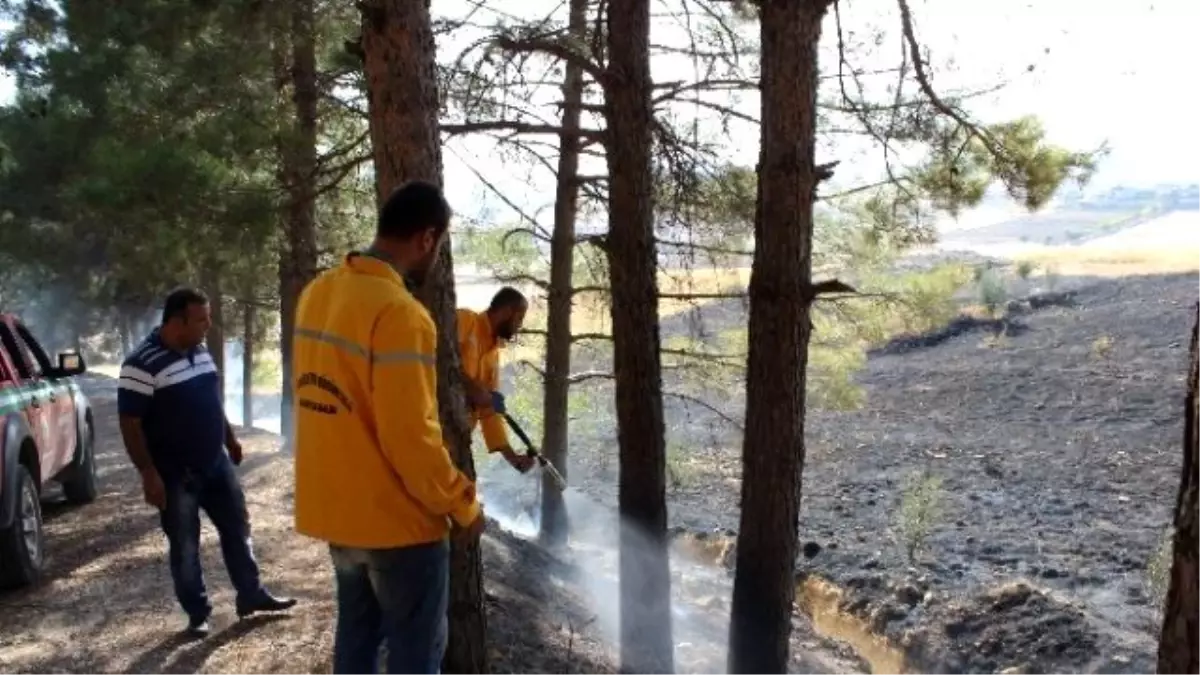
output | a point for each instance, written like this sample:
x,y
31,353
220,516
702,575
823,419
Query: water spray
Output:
x,y
532,452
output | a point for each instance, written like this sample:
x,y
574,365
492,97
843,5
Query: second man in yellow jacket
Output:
x,y
481,335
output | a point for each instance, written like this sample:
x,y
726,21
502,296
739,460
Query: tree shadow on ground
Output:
x,y
181,653
258,460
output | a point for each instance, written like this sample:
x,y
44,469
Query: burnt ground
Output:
x,y
106,604
1056,445
1057,448
1059,452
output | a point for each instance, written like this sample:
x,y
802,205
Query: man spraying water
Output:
x,y
481,335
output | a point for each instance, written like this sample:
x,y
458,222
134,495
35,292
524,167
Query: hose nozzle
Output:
x,y
529,450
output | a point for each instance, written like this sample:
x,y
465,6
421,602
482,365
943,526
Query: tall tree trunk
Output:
x,y
780,281
398,55
298,260
216,331
554,525
646,644
124,331
249,325
1177,650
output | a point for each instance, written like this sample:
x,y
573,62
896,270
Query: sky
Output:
x,y
1120,72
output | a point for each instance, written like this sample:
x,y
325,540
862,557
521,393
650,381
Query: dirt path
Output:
x,y
106,603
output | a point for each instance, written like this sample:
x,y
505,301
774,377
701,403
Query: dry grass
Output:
x,y
590,313
1110,262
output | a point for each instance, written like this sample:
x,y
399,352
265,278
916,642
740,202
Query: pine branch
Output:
x,y
552,47
515,127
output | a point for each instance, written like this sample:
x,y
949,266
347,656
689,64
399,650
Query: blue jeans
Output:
x,y
218,492
397,595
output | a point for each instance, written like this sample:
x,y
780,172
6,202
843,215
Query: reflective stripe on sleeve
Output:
x,y
401,357
335,340
358,350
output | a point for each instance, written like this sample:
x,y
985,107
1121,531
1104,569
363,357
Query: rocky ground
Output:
x,y
1056,449
106,603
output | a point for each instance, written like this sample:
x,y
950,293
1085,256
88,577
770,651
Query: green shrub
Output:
x,y
920,511
831,372
993,293
929,296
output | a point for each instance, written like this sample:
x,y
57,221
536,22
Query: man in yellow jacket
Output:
x,y
481,335
373,478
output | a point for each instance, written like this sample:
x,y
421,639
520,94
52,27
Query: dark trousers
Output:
x,y
218,492
398,596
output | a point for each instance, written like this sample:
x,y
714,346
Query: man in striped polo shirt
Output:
x,y
173,423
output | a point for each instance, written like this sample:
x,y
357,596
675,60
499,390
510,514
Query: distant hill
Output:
x,y
1160,198
1055,227
1164,225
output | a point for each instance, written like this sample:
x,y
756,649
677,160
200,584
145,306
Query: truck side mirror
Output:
x,y
71,363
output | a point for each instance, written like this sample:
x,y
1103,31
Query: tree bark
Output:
x,y
216,331
249,321
1177,649
124,331
398,56
554,524
645,589
773,446
298,260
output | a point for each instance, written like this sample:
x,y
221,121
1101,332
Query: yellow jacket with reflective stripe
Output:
x,y
480,353
371,468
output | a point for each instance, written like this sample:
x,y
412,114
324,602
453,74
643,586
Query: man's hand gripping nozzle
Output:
x,y
532,452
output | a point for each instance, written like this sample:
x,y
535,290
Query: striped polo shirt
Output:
x,y
176,396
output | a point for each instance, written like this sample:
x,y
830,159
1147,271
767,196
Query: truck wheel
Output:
x,y
79,486
21,547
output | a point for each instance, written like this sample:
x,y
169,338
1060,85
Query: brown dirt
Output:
x,y
106,603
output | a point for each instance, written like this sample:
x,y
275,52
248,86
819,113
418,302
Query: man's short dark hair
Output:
x,y
508,297
413,208
178,301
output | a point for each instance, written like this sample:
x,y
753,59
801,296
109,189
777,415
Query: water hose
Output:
x,y
532,452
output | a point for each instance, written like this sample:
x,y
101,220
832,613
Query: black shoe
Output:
x,y
263,602
198,626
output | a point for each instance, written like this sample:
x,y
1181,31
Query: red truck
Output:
x,y
46,434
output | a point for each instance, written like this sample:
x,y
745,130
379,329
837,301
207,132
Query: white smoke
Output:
x,y
265,416
700,591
